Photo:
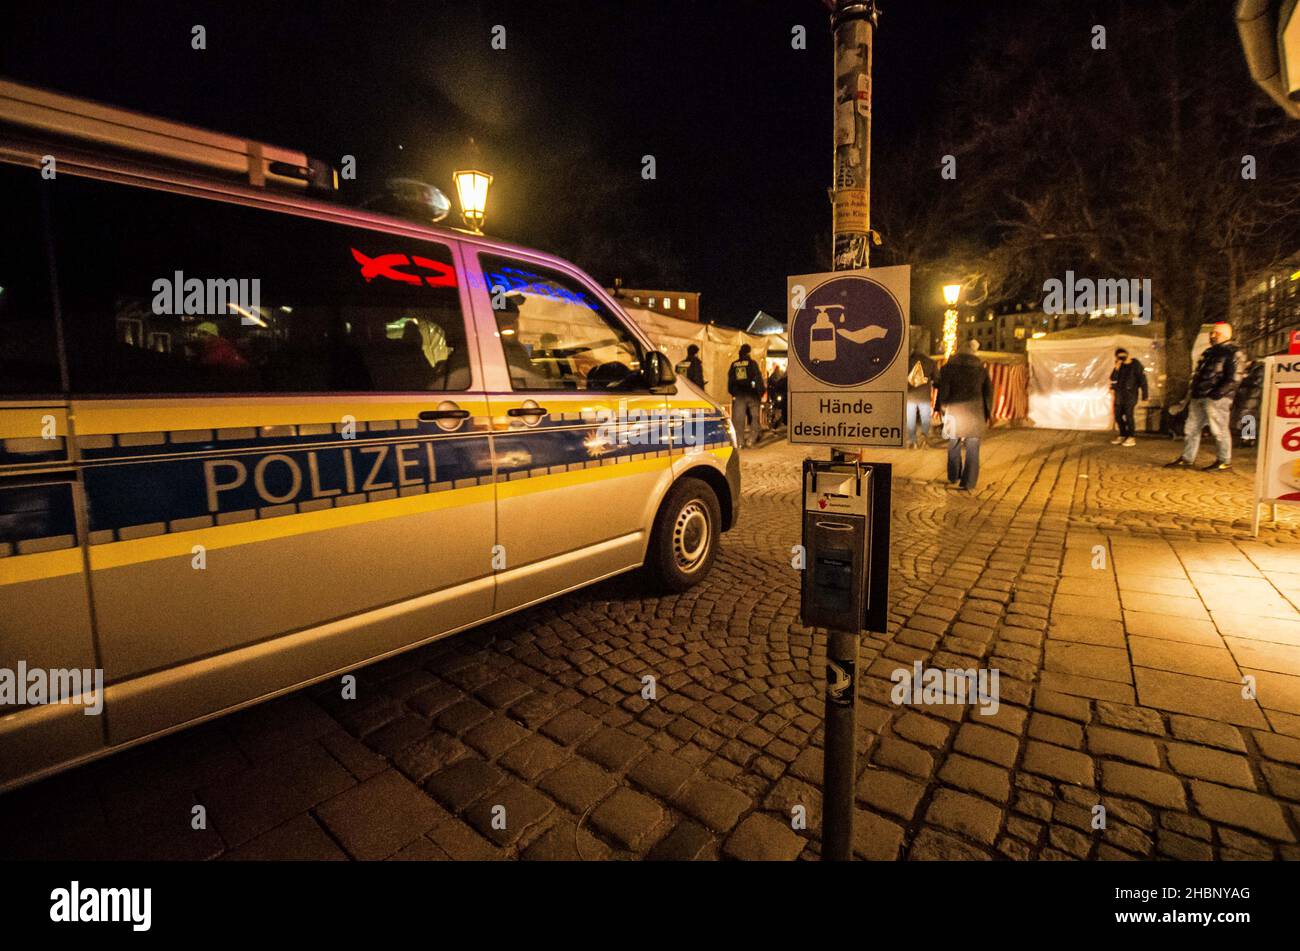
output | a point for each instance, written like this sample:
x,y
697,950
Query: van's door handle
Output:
x,y
527,411
431,415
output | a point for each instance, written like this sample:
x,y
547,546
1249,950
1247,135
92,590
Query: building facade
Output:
x,y
1267,310
684,305
1008,328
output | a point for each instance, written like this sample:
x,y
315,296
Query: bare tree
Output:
x,y
1130,161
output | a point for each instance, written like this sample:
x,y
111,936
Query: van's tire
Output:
x,y
684,541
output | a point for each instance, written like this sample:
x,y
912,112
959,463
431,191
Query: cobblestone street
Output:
x,y
1122,604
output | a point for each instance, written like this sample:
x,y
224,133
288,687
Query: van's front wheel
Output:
x,y
685,537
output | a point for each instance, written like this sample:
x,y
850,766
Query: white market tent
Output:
x,y
718,345
1069,373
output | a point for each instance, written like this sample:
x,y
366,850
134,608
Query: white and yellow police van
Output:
x,y
251,438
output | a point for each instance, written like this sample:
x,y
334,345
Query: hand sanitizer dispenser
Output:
x,y
846,544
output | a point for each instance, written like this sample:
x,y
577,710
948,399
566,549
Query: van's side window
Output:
x,y
29,359
165,293
555,334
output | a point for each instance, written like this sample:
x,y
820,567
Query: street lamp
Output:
x,y
950,294
472,190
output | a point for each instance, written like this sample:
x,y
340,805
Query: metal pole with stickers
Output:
x,y
846,510
847,381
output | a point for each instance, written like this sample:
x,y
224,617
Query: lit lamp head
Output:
x,y
950,294
472,190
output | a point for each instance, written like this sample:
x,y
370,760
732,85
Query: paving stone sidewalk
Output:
x,y
1148,653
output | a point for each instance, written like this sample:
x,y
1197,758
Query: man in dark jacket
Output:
x,y
920,390
692,367
745,384
1127,380
1218,374
966,401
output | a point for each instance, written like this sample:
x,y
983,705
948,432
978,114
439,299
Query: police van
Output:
x,y
251,438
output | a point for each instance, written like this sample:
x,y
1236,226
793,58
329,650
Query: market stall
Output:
x,y
1069,374
1010,375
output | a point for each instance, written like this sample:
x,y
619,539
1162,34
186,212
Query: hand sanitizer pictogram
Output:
x,y
821,337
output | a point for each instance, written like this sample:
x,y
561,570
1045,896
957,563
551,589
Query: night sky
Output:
x,y
738,121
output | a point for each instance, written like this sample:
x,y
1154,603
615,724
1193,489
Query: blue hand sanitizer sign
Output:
x,y
848,349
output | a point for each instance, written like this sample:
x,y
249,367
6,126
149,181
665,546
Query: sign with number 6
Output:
x,y
1277,469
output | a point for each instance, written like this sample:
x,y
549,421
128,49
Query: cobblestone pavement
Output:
x,y
1121,604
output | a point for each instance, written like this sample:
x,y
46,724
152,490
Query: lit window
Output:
x,y
681,303
652,302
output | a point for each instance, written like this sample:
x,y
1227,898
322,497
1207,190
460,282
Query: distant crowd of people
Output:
x,y
747,387
963,403
958,399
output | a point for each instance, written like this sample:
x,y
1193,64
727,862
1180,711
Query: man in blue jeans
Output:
x,y
966,401
1218,373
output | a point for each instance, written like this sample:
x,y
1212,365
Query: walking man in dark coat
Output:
x,y
746,386
966,401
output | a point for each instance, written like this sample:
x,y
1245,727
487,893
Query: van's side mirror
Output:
x,y
659,373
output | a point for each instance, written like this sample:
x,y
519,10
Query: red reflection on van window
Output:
x,y
386,266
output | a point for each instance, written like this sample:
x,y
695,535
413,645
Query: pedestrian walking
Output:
x,y
966,402
1218,374
920,398
745,384
1128,378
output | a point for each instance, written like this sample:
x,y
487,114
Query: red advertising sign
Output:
x,y
1288,402
1279,446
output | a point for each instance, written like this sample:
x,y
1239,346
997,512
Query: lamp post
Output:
x,y
472,191
950,294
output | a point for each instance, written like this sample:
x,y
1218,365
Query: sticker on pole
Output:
x,y
841,677
848,343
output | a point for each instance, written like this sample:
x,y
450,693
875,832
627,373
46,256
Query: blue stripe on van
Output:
x,y
523,451
306,472
158,492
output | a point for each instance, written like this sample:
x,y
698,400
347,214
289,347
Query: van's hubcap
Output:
x,y
691,536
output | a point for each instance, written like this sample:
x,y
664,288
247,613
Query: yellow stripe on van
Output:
x,y
16,569
107,418
154,548
29,423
